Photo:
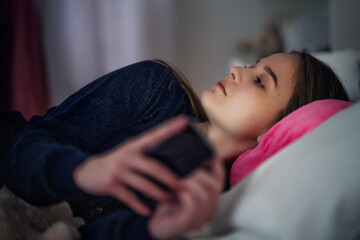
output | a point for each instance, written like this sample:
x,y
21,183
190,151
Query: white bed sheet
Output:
x,y
309,190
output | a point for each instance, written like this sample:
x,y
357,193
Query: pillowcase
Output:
x,y
345,65
286,131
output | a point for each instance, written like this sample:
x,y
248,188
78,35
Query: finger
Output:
x,y
216,168
130,199
195,187
189,206
204,191
156,170
203,184
186,201
209,183
160,133
147,187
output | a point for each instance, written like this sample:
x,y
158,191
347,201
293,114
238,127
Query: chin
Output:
x,y
205,100
206,97
204,93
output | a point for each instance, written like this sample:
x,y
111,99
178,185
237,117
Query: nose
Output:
x,y
236,73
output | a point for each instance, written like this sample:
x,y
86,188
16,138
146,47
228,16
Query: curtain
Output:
x,y
85,39
23,84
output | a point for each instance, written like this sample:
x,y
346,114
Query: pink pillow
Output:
x,y
286,131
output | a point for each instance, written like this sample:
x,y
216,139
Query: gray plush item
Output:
x,y
20,220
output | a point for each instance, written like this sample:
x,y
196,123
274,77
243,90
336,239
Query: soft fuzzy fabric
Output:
x,y
22,221
286,131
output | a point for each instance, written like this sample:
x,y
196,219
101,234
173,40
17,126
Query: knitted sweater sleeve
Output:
x,y
38,165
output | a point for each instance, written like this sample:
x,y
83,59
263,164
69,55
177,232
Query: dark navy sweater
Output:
x,y
38,156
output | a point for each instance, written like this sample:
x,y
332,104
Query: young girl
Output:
x,y
88,150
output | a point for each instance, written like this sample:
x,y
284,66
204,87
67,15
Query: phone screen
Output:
x,y
183,152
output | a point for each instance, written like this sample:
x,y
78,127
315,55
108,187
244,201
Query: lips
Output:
x,y
221,84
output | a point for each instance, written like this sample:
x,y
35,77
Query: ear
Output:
x,y
260,137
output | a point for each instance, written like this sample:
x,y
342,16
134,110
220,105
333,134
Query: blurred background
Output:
x,y
51,48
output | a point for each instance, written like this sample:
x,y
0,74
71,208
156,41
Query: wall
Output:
x,y
87,38
208,30
345,24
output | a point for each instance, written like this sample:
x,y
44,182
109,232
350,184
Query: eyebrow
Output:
x,y
270,71
272,74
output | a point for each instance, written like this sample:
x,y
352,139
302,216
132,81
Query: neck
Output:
x,y
226,146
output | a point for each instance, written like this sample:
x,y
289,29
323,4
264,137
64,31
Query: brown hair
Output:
x,y
185,84
315,81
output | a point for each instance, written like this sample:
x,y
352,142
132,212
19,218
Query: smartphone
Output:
x,y
185,151
182,153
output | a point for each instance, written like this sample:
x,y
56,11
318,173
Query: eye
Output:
x,y
259,82
245,66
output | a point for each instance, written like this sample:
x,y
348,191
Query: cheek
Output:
x,y
252,118
245,115
250,121
238,116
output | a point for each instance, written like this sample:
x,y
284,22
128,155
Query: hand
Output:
x,y
196,203
125,166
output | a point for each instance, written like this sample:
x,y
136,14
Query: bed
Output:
x,y
310,189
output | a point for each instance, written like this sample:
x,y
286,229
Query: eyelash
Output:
x,y
258,81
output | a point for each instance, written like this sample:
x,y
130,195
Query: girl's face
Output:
x,y
246,103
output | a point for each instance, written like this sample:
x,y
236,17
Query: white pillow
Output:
x,y
346,66
309,190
